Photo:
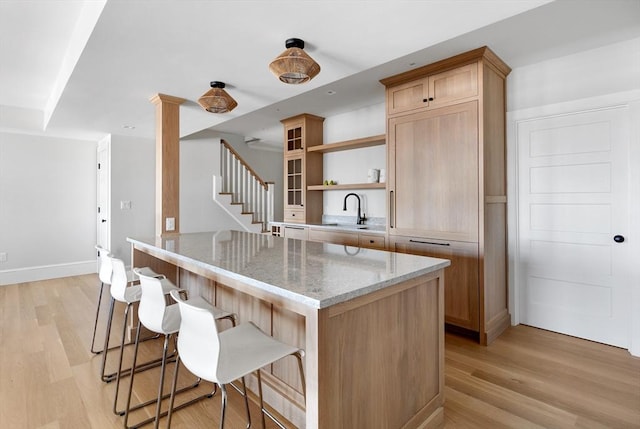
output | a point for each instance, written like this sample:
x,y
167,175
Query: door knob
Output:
x,y
618,238
104,220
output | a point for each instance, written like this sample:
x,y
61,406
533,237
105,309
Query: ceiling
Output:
x,y
85,69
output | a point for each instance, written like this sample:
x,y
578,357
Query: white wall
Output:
x,y
593,79
132,179
589,74
47,207
352,166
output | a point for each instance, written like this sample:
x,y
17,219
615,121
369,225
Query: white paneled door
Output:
x,y
103,194
573,221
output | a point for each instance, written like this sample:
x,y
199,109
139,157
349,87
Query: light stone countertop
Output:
x,y
314,274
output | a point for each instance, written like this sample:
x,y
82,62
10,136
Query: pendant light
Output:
x,y
294,65
217,100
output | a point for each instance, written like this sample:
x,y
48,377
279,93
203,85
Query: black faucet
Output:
x,y
359,219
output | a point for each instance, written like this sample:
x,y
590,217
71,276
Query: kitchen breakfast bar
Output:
x,y
371,322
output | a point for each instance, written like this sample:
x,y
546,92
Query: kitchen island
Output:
x,y
371,322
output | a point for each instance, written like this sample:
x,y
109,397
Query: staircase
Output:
x,y
242,193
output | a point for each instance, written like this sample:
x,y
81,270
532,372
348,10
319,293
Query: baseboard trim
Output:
x,y
45,272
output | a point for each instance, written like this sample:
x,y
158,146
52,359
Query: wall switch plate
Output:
x,y
170,224
125,205
3,256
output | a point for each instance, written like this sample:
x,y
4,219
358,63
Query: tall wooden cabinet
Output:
x,y
302,168
447,181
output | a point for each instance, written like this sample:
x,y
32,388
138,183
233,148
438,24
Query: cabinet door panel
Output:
x,y
294,185
371,241
461,278
294,138
453,85
434,160
408,96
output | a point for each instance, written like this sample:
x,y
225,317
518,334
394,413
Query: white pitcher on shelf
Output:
x,y
373,176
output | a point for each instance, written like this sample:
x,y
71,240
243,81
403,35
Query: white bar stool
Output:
x,y
155,315
104,274
222,357
128,295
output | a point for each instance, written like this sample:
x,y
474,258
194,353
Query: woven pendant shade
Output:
x,y
294,65
216,100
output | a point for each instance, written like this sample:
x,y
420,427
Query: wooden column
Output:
x,y
167,162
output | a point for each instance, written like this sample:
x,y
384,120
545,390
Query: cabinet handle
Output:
x,y
424,100
429,242
295,227
430,98
391,212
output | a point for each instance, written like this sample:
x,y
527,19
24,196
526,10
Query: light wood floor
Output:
x,y
528,378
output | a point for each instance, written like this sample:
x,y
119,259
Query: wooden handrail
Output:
x,y
242,161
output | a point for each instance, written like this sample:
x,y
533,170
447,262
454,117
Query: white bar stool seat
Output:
x,y
222,357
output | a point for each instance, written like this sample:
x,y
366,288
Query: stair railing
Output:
x,y
245,186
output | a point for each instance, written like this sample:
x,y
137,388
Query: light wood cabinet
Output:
x,y
302,168
461,277
447,181
372,241
433,173
433,91
347,238
336,237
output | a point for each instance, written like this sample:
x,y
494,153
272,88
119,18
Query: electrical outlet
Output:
x,y
170,224
3,256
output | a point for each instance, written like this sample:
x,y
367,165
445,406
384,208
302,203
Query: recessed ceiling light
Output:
x,y
129,127
331,92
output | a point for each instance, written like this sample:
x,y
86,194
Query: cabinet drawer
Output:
x,y
336,237
297,232
294,215
371,241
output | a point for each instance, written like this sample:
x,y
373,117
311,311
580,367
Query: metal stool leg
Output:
x,y
104,377
119,373
161,396
95,324
223,389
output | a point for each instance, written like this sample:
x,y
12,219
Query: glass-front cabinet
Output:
x,y
294,182
302,168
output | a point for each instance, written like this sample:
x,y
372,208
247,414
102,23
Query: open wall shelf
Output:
x,y
349,144
347,186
